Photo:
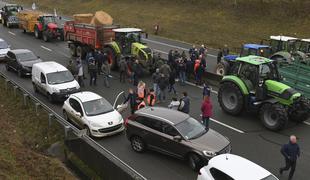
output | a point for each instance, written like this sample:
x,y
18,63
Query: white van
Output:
x,y
53,80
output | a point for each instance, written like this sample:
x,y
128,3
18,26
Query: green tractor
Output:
x,y
253,85
127,44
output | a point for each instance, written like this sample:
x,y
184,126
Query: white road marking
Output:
x,y
46,48
173,46
160,51
307,123
12,33
230,127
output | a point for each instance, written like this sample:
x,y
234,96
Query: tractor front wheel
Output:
x,y
299,112
273,116
222,68
230,98
37,33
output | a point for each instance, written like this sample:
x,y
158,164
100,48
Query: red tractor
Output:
x,y
47,28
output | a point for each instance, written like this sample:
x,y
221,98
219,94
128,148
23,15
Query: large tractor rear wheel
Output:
x,y
222,68
230,98
112,57
273,116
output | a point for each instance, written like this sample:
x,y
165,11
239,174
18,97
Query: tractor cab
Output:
x,y
125,37
304,46
283,43
12,9
256,50
47,21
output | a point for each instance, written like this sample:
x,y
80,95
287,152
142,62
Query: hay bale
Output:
x,y
102,18
83,18
29,15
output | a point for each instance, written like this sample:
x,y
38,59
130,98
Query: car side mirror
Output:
x,y
177,138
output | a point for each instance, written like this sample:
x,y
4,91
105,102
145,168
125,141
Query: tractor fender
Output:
x,y
238,82
285,56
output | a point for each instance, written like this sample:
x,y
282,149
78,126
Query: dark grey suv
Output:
x,y
174,133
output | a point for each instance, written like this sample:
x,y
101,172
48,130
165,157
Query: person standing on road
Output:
x,y
202,50
106,72
99,58
172,77
132,99
206,110
225,50
219,55
122,70
71,68
206,91
80,73
163,83
174,104
182,72
92,69
165,70
137,72
291,152
151,98
184,103
141,90
156,77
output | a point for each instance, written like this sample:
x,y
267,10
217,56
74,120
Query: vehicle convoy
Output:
x,y
4,48
176,134
42,25
115,41
21,61
253,85
233,167
94,113
53,80
8,15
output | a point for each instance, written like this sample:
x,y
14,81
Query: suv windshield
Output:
x,y
27,56
191,128
270,177
3,45
59,77
96,107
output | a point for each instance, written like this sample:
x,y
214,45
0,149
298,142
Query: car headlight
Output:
x,y
56,90
95,125
209,153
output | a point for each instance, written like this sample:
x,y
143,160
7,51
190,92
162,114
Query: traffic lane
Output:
x,y
252,146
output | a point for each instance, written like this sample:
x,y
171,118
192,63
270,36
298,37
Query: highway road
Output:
x,y
249,138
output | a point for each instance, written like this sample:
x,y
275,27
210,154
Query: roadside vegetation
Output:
x,y
212,22
24,139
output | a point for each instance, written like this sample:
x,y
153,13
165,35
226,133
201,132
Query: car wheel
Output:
x,y
137,144
35,88
194,161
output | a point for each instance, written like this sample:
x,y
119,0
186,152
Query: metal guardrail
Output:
x,y
132,173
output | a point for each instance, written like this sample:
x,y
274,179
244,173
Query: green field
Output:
x,y
212,22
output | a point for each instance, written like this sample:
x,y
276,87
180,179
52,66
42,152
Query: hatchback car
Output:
x,y
94,113
174,133
21,61
233,167
4,48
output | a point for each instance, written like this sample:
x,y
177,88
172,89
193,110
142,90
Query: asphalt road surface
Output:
x,y
248,137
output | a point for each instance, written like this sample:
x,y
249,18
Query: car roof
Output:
x,y
169,115
238,167
20,51
255,46
50,66
255,60
127,30
86,96
283,38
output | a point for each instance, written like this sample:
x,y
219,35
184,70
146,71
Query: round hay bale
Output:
x,y
102,18
83,18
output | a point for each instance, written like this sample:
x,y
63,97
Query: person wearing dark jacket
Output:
x,y
219,55
184,103
162,84
92,69
132,99
99,59
172,77
123,70
137,72
291,152
199,73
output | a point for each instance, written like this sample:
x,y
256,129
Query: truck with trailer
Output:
x,y
40,24
8,15
116,42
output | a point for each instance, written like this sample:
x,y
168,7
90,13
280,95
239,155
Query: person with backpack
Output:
x,y
184,103
206,109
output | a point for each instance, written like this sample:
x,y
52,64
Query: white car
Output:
x,y
4,48
92,112
233,167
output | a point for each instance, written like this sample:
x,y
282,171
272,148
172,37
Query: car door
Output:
x,y
75,112
42,84
10,60
172,146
